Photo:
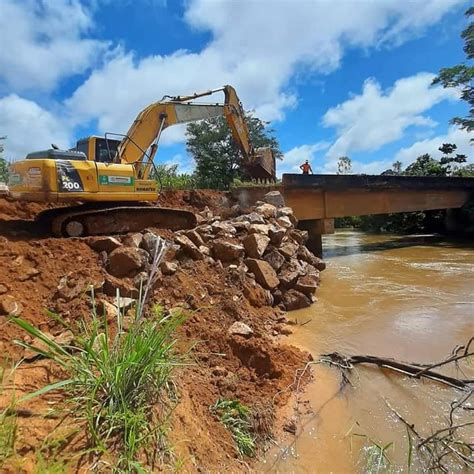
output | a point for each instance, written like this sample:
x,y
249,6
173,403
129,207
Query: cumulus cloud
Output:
x,y
255,47
43,42
376,117
454,135
29,127
258,54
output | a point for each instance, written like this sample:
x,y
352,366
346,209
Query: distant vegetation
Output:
x,y
461,76
450,164
3,163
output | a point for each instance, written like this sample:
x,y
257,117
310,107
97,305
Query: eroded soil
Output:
x,y
253,370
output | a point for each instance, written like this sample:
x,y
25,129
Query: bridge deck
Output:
x,y
344,182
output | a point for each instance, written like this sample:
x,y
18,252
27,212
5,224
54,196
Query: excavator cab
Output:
x,y
100,149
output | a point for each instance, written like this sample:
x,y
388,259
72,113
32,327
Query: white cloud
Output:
x,y
454,135
255,46
258,53
43,42
29,127
375,118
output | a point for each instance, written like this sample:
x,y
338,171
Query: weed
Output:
x,y
49,466
114,379
8,425
236,418
376,457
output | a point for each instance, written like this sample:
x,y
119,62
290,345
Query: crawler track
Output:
x,y
106,219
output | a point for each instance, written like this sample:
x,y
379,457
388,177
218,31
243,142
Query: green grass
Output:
x,y
114,380
236,418
8,425
375,456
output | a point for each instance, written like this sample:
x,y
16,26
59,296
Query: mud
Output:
x,y
257,371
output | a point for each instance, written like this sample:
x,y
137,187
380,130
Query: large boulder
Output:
x,y
266,210
307,284
294,299
264,273
127,261
276,235
253,218
275,259
284,211
300,236
195,237
223,228
288,278
275,198
149,242
168,268
306,255
227,251
289,249
259,229
112,284
256,294
133,240
285,222
188,247
106,244
256,244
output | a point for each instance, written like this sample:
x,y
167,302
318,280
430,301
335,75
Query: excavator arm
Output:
x,y
141,142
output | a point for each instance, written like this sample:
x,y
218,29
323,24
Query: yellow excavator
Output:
x,y
111,178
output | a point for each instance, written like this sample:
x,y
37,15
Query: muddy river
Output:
x,y
410,298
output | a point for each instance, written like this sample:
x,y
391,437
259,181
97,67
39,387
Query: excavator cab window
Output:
x,y
105,150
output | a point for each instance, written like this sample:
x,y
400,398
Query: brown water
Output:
x,y
409,298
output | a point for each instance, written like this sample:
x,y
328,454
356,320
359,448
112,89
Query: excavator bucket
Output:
x,y
263,165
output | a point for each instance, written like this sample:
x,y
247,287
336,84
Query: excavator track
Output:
x,y
83,220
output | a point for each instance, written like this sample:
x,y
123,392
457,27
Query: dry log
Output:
x,y
410,369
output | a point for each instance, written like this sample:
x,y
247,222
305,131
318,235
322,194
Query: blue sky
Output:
x,y
343,77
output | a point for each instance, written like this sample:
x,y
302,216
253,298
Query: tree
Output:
x,y
425,165
344,165
3,163
218,159
462,76
447,160
397,167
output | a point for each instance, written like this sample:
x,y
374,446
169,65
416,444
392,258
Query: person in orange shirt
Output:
x,y
306,168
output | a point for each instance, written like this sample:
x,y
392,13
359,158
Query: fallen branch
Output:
x,y
410,369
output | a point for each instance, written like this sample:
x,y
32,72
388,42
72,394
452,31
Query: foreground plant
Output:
x,y
8,425
236,418
115,378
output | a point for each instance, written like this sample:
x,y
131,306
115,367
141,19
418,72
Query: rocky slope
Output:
x,y
234,274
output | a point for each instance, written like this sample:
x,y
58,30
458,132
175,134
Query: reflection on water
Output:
x,y
409,298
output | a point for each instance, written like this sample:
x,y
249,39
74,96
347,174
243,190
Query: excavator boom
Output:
x,y
141,141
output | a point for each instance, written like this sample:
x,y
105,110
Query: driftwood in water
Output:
x,y
407,368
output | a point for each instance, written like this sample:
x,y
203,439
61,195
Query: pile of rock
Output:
x,y
262,246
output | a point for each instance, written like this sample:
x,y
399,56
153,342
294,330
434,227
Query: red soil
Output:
x,y
252,370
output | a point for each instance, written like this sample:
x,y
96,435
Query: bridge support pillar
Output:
x,y
316,228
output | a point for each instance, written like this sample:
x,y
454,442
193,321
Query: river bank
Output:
x,y
231,337
407,297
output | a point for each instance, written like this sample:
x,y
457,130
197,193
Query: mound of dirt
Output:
x,y
54,275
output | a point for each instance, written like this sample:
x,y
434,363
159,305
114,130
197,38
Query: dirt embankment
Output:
x,y
45,275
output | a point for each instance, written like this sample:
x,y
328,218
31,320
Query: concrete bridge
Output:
x,y
318,199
